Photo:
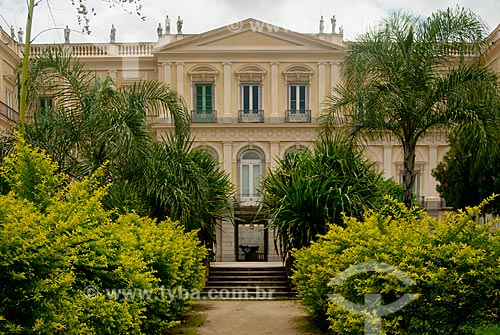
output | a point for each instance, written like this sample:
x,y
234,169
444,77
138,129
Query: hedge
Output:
x,y
454,264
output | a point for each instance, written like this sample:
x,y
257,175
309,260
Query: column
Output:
x,y
2,90
228,158
274,153
165,75
227,92
431,182
161,74
335,73
227,236
432,199
387,161
180,78
321,86
274,92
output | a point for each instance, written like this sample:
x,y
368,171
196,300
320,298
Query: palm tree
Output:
x,y
311,189
95,123
412,75
83,17
186,184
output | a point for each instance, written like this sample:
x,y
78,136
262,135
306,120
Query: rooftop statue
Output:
x,y
112,34
167,25
159,30
179,25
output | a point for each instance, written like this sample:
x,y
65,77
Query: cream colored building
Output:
x,y
10,52
255,91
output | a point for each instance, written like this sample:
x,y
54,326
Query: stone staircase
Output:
x,y
243,282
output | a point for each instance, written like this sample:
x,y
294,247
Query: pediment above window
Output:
x,y
298,73
203,73
10,78
250,73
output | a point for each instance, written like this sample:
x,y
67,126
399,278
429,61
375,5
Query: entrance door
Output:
x,y
251,241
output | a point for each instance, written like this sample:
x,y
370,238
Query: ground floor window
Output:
x,y
251,170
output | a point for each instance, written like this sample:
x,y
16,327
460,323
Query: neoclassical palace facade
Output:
x,y
255,91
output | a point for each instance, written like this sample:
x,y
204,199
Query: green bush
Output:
x,y
454,264
311,188
491,330
67,266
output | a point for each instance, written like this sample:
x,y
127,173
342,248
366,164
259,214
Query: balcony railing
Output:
x,y
9,112
298,116
203,116
249,199
100,50
251,116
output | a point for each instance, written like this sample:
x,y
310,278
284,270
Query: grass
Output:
x,y
190,324
492,330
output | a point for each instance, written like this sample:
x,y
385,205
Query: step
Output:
x,y
247,279
277,289
240,294
242,282
248,272
247,268
223,276
246,282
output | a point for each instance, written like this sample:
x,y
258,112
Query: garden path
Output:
x,y
259,317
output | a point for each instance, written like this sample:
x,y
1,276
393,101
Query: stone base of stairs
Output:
x,y
244,281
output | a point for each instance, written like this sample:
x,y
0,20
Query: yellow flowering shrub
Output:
x,y
453,263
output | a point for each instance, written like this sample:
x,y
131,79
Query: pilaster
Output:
x,y
388,161
227,92
321,85
335,74
274,92
180,78
274,154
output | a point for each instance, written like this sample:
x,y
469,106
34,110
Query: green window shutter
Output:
x,y
255,98
293,97
199,97
246,98
302,97
208,97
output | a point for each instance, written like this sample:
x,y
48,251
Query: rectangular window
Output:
x,y
250,97
9,98
256,179
9,101
250,179
46,102
245,180
203,97
297,97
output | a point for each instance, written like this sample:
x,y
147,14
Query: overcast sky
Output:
x,y
356,16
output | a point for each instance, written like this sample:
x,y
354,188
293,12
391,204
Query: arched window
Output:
x,y
296,148
210,150
212,153
250,172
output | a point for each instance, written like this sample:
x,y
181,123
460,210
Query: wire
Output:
x,y
53,18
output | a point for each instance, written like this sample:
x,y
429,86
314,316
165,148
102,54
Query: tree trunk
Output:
x,y
24,78
408,173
